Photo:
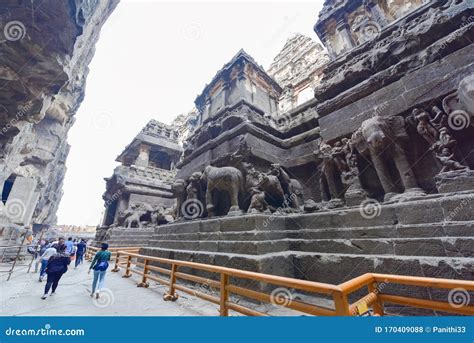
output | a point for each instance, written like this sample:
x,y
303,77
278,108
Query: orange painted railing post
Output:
x,y
116,267
144,275
127,269
224,296
91,251
342,304
377,306
171,295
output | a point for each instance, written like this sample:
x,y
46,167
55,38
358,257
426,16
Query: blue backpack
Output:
x,y
102,264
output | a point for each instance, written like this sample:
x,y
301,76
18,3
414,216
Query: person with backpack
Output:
x,y
99,264
56,267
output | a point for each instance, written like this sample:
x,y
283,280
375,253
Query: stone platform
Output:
x,y
431,236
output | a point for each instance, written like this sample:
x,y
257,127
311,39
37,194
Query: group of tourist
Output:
x,y
56,255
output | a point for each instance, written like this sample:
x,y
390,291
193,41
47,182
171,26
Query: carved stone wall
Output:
x,y
344,25
298,69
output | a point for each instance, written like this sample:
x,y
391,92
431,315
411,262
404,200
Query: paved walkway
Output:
x,y
21,296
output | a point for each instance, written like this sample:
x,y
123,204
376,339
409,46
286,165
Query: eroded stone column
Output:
x,y
143,156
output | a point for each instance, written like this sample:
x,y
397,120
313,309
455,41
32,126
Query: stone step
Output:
x,y
438,208
224,236
132,232
394,231
248,247
128,242
452,246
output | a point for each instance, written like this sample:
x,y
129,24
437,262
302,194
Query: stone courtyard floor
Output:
x,y
21,296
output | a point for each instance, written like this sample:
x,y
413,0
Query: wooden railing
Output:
x,y
91,251
375,299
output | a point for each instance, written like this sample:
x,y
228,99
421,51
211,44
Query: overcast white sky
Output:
x,y
153,58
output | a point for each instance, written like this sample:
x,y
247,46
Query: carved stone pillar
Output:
x,y
377,13
344,32
226,90
143,156
328,45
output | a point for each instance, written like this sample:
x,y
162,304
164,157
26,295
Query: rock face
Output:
x,y
45,51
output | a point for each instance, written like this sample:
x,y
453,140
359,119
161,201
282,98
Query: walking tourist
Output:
x,y
44,258
81,250
99,264
56,267
59,244
69,246
40,249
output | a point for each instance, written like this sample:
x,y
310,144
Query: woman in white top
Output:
x,y
44,261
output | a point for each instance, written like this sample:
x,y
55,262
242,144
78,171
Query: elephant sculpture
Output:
x,y
226,179
279,189
382,140
296,194
330,182
179,191
132,216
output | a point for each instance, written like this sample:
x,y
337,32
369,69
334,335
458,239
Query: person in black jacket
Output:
x,y
56,267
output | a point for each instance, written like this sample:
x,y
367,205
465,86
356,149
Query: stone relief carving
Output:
x,y
383,139
330,180
179,191
227,179
380,141
141,214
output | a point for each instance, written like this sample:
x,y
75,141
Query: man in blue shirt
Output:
x,y
81,250
69,246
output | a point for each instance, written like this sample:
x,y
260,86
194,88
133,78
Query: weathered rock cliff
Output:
x,y
45,49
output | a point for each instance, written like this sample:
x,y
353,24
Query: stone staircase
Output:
x,y
134,237
432,236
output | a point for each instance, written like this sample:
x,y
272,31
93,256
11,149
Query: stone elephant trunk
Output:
x,y
382,140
